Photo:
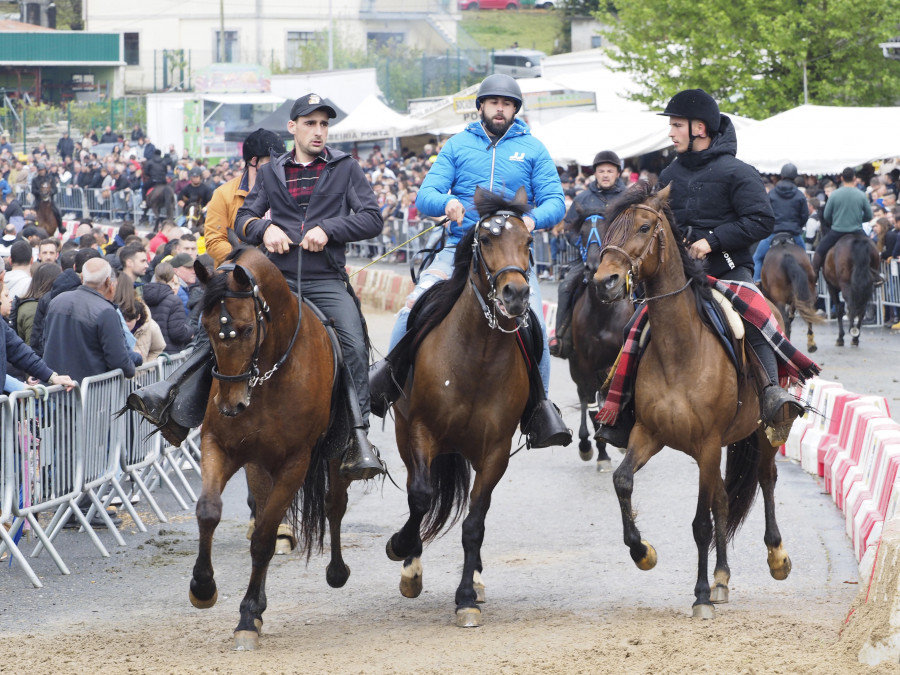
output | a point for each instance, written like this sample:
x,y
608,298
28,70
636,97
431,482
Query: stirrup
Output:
x,y
546,427
778,411
360,460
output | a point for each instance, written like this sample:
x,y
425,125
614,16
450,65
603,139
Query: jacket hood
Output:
x,y
65,282
724,143
517,128
785,188
155,292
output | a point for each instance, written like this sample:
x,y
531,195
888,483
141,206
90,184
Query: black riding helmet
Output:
x,y
789,171
499,85
607,157
262,143
695,104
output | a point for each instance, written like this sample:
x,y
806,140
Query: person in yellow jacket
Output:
x,y
218,229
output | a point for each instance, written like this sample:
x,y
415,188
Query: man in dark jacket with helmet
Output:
x,y
791,213
721,209
155,172
195,191
593,200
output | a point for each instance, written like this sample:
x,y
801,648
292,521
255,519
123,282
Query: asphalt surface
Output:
x,y
554,535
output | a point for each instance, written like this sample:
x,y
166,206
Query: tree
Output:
x,y
751,56
68,15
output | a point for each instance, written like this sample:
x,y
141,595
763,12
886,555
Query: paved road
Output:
x,y
553,541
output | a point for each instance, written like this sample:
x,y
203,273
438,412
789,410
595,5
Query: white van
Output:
x,y
517,62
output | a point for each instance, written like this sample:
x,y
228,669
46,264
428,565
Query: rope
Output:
x,y
397,247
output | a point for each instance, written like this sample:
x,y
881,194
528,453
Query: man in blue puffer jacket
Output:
x,y
499,154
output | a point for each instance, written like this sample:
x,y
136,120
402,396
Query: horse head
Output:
x,y
634,249
46,190
501,252
238,318
592,233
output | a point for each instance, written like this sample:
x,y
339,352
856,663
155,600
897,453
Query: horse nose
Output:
x,y
515,297
591,266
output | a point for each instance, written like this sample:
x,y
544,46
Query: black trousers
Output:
x,y
574,276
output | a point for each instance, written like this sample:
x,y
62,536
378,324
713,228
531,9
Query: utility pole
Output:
x,y
330,38
221,31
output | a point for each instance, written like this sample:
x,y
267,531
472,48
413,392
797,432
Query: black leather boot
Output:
x,y
359,459
545,427
618,434
383,391
178,403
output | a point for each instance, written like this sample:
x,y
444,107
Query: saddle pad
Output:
x,y
734,319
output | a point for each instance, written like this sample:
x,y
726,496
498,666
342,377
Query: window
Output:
x,y
384,39
131,43
231,47
596,41
296,41
83,82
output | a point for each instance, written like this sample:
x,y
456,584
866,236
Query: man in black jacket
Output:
x,y
320,199
791,213
154,172
195,191
593,200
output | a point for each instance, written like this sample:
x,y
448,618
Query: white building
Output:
x,y
268,33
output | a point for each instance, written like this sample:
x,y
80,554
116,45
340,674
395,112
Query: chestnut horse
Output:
x,y
597,335
847,272
789,283
466,394
46,216
688,395
268,409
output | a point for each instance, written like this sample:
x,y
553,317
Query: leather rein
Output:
x,y
495,224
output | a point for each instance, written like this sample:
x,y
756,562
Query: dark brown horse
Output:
x,y
789,283
597,336
848,274
269,406
160,198
467,393
688,395
46,214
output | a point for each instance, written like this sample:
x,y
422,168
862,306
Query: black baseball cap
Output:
x,y
305,105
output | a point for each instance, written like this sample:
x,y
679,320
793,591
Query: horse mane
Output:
x,y
218,283
640,193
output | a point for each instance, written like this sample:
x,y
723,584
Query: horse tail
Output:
x,y
741,480
306,514
804,300
860,276
169,196
450,478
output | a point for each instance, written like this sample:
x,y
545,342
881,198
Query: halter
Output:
x,y
593,237
657,235
263,317
495,224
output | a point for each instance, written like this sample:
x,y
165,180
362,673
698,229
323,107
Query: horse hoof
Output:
x,y
389,549
468,617
718,594
337,577
411,579
648,562
203,604
604,466
250,527
246,640
282,546
811,348
781,573
839,343
704,612
854,342
586,456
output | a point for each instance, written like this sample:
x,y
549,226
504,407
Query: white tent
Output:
x,y
821,139
372,120
580,136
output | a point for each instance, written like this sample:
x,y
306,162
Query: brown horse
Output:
x,y
160,198
788,281
597,334
194,216
268,409
467,393
688,395
848,275
46,215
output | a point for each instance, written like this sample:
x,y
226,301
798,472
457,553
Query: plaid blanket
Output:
x,y
749,302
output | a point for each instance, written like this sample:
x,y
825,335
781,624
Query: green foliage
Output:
x,y
498,29
68,15
750,55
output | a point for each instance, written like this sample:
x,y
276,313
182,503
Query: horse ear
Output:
x,y
240,276
481,199
521,196
663,195
203,275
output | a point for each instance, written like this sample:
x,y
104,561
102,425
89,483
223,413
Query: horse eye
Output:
x,y
484,240
644,229
247,331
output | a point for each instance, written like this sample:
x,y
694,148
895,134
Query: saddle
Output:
x,y
782,239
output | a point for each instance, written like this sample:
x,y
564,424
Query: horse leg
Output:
x,y
337,572
217,469
585,451
468,615
810,338
604,463
787,314
711,491
406,544
839,310
269,514
778,559
722,574
640,450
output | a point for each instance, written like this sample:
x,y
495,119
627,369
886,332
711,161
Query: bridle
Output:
x,y
263,318
593,236
495,224
658,236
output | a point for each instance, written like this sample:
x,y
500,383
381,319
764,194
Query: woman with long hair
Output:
x,y
24,307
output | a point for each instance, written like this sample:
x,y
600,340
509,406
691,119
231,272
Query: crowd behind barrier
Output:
x,y
67,454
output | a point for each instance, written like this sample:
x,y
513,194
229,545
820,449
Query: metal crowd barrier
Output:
x,y
886,296
46,460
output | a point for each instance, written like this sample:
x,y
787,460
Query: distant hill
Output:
x,y
500,29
